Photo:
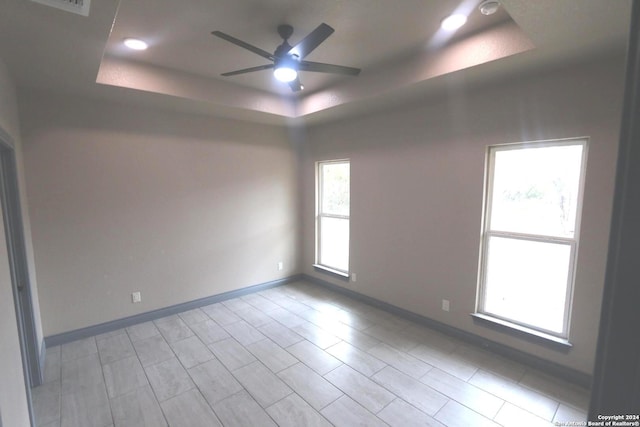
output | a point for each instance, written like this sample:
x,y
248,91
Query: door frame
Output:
x,y
20,279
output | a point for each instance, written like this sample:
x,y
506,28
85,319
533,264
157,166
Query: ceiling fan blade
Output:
x,y
245,45
295,85
312,41
319,67
248,70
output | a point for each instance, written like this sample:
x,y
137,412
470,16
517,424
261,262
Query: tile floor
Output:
x,y
296,355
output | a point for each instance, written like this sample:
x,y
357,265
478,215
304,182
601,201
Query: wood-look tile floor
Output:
x,y
296,355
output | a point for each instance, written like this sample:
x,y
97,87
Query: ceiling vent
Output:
x,y
81,7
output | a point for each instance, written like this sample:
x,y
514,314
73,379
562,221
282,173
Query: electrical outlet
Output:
x,y
136,297
445,304
354,277
280,266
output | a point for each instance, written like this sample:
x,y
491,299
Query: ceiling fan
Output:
x,y
289,60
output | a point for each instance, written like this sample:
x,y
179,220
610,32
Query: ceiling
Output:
x,y
399,46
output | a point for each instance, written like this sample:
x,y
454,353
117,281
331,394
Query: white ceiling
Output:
x,y
397,44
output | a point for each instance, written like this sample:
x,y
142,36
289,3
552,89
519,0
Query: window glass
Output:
x,y
335,243
535,190
527,281
335,188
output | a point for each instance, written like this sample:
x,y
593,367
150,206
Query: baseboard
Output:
x,y
555,369
113,325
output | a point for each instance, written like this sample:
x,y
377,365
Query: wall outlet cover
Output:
x,y
136,297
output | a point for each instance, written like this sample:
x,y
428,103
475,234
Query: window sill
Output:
x,y
324,269
522,331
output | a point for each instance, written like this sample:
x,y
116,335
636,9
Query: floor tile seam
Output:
x,y
111,363
175,356
274,372
431,366
558,400
59,393
165,319
420,382
529,412
552,396
574,407
156,363
201,391
519,406
73,392
382,340
356,369
104,379
203,321
265,367
385,406
59,371
165,337
305,401
106,335
119,358
301,361
155,397
209,405
231,337
420,410
60,398
470,365
296,301
353,398
329,382
220,324
81,356
520,385
244,345
186,370
134,341
474,410
308,366
483,366
480,389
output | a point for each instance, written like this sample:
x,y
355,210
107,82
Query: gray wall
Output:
x,y
128,199
417,191
13,402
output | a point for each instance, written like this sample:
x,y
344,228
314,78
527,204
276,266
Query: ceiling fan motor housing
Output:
x,y
285,31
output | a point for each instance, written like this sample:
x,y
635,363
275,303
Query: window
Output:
x,y
530,238
332,220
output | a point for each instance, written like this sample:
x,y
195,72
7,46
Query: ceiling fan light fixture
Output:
x,y
453,22
135,44
285,73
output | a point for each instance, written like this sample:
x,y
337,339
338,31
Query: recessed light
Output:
x,y
489,7
135,44
453,22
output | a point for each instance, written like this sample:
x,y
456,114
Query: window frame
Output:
x,y
572,242
320,215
